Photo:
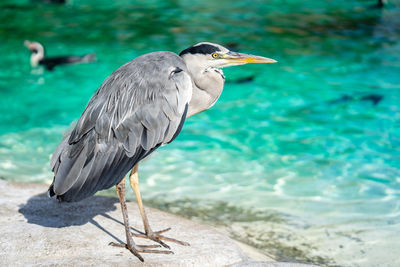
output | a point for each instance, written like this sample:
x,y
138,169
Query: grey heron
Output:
x,y
38,57
139,107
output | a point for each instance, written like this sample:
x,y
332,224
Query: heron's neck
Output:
x,y
207,87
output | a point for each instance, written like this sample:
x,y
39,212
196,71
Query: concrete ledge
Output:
x,y
36,230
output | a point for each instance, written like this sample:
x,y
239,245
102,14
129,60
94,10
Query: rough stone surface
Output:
x,y
37,231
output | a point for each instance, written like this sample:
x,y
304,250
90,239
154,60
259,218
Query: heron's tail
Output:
x,y
83,168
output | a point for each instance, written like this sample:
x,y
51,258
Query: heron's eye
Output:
x,y
214,55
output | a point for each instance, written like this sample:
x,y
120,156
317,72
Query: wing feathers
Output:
x,y
88,119
140,106
69,171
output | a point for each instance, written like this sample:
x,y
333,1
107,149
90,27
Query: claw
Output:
x,y
157,237
135,249
139,246
162,231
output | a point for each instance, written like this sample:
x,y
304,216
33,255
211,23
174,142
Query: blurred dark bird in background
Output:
x,y
373,98
38,57
246,79
49,1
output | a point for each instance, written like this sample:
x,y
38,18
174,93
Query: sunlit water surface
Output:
x,y
300,159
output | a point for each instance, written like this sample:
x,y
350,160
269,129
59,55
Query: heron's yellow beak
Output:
x,y
246,58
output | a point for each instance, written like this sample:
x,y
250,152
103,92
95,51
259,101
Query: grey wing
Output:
x,y
129,117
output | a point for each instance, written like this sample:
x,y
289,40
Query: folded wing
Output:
x,y
139,107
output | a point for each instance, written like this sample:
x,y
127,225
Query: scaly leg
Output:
x,y
130,244
155,236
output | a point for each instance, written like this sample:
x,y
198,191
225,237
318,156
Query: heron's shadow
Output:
x,y
42,210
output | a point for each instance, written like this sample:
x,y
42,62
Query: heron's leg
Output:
x,y
155,236
130,244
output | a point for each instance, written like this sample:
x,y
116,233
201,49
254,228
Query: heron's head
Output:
x,y
208,55
34,47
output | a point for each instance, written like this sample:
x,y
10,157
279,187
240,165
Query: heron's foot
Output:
x,y
157,237
136,249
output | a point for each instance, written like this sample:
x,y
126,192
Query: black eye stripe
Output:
x,y
204,49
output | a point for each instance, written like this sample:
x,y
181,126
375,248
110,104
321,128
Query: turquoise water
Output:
x,y
294,148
